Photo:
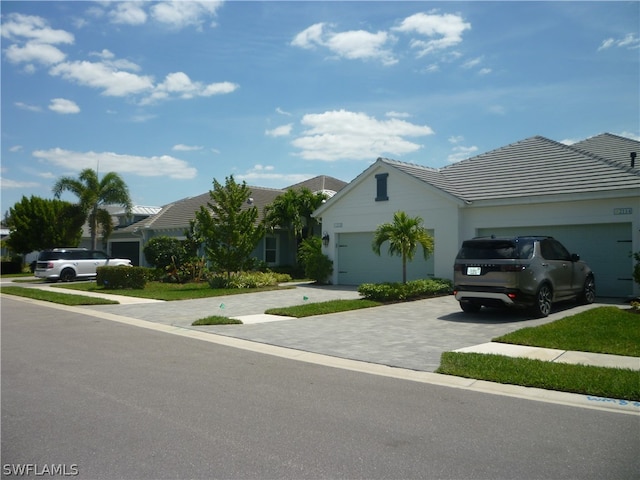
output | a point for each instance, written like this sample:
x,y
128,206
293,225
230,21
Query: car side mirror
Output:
x,y
575,257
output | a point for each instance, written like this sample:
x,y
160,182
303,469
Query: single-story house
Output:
x,y
587,195
275,249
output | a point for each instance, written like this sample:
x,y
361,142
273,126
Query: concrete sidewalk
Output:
x,y
554,355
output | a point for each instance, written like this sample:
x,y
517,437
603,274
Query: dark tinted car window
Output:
x,y
553,250
496,249
99,255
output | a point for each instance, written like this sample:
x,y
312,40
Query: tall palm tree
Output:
x,y
93,194
404,235
292,210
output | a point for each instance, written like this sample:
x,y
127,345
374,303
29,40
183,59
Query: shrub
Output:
x,y
113,278
12,266
396,291
161,251
247,280
317,266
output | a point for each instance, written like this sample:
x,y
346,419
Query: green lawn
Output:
x,y
167,291
599,330
321,308
55,297
609,330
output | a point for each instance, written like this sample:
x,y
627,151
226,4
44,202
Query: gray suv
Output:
x,y
531,272
67,264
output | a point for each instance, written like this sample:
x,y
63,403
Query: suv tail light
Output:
x,y
49,265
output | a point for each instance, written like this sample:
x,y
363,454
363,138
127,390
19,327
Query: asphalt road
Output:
x,y
110,401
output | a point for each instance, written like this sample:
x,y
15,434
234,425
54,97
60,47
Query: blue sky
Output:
x,y
174,94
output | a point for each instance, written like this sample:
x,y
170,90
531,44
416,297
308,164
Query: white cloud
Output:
x,y
186,148
336,135
30,108
456,139
179,84
474,62
282,112
63,106
15,148
42,53
6,183
461,153
484,71
281,131
630,135
629,41
128,13
443,31
112,82
109,59
397,114
154,166
180,14
354,44
267,173
32,28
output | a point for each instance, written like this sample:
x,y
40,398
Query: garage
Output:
x,y
605,247
130,250
354,251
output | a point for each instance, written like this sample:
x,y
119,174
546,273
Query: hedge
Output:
x,y
121,277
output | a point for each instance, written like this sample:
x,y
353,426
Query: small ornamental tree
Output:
x,y
228,227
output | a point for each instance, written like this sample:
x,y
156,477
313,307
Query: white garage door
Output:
x,y
356,262
605,248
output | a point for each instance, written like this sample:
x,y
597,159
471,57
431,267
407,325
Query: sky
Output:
x,y
171,95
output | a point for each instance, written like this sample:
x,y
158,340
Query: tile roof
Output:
x,y
321,183
178,214
611,147
532,167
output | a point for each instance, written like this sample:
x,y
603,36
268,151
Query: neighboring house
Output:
x,y
586,195
121,219
276,248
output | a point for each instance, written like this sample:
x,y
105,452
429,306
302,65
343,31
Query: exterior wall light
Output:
x,y
325,239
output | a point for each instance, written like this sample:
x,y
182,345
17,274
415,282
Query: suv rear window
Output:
x,y
496,249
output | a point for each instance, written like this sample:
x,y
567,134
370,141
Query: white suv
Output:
x,y
67,264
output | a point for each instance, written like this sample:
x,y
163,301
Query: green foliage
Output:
x,y
292,211
40,224
317,266
112,278
394,292
160,251
247,280
636,267
217,320
322,308
93,194
229,227
403,235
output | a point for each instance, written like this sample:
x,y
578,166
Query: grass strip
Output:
x,y
587,380
169,291
55,297
217,320
599,330
322,308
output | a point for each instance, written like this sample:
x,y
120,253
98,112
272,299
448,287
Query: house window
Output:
x,y
270,250
381,187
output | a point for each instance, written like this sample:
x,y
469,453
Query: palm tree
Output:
x,y
292,210
93,194
404,235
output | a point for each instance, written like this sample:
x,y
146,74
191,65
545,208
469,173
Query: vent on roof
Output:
x,y
633,159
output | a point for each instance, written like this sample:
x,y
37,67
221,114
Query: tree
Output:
x,y
404,235
93,194
38,224
292,210
229,228
317,265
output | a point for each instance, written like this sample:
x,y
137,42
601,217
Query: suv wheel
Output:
x,y
542,305
588,294
67,275
470,307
